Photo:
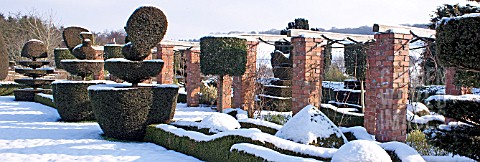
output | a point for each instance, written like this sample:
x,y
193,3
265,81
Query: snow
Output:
x,y
182,91
361,151
450,125
332,85
417,107
34,40
219,122
424,119
359,132
466,97
30,132
276,86
275,97
114,45
185,113
117,60
403,151
254,134
155,60
308,125
343,110
91,81
445,20
266,153
85,33
125,86
7,82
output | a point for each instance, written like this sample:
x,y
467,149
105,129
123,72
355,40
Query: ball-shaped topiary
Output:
x,y
71,36
34,49
223,56
457,43
145,28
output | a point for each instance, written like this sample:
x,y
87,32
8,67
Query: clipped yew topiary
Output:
x,y
355,57
61,54
72,100
112,51
3,59
71,36
223,56
456,43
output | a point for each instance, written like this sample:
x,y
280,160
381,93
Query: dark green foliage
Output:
x,y
122,113
84,51
61,54
341,119
3,59
282,82
299,23
34,72
454,46
72,101
196,129
327,57
278,59
284,46
33,64
164,104
34,49
44,100
467,78
355,56
448,10
134,72
145,29
262,128
33,83
278,91
28,94
82,68
333,73
71,36
276,104
182,98
462,140
283,73
330,142
223,56
463,110
7,89
112,51
215,150
433,72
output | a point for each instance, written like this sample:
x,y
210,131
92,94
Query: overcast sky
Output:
x,y
196,18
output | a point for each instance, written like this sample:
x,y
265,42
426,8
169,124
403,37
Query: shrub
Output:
x,y
61,54
72,101
334,74
3,59
7,89
262,128
223,56
209,94
417,140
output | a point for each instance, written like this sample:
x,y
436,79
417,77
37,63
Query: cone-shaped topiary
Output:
x,y
3,59
71,36
145,28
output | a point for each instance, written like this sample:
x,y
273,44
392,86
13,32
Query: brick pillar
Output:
x,y
387,81
244,86
227,93
101,74
165,52
450,87
193,80
307,68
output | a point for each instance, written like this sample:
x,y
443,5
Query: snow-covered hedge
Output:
x,y
45,99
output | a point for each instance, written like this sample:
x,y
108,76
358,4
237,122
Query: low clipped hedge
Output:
x,y
7,89
124,112
72,101
464,110
341,119
44,100
61,54
264,129
28,94
214,150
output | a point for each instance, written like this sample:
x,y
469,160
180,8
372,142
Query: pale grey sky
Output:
x,y
196,18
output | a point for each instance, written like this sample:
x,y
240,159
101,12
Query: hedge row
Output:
x,y
341,119
215,150
72,101
264,129
463,110
7,89
44,100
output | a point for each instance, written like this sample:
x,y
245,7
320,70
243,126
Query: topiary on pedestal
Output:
x,y
71,97
123,111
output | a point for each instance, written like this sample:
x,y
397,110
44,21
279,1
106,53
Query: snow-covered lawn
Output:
x,y
30,132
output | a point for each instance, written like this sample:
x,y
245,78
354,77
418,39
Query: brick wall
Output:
x,y
387,81
450,87
193,80
244,86
307,69
165,52
101,74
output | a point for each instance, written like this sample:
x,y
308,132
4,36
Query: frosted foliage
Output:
x,y
219,122
361,151
308,125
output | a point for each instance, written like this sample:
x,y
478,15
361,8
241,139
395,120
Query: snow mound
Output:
x,y
403,151
417,107
361,151
359,132
219,122
311,126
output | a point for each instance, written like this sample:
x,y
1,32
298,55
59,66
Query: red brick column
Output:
x,y
307,68
193,80
165,52
226,89
244,86
101,74
387,81
450,87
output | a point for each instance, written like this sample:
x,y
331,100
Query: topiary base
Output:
x,y
72,100
124,112
28,94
